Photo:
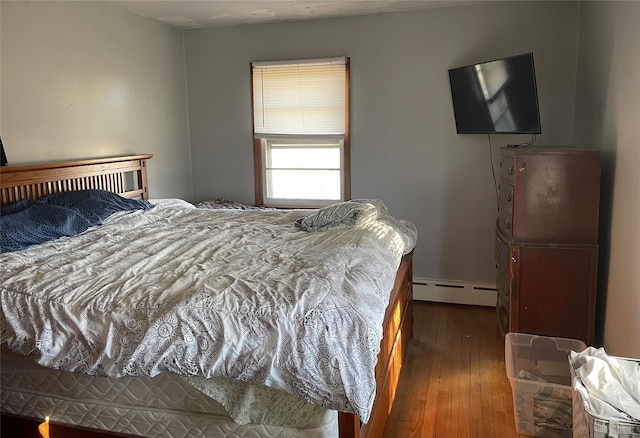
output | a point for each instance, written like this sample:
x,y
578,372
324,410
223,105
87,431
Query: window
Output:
x,y
301,132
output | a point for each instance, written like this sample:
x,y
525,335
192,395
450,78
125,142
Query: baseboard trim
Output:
x,y
455,292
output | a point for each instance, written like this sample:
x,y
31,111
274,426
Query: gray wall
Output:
x,y
608,118
405,149
86,80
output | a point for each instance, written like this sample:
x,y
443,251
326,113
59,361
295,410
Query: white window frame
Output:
x,y
270,200
261,141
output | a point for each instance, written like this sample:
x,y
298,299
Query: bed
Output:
x,y
338,410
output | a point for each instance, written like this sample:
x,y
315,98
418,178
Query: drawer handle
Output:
x,y
510,170
508,196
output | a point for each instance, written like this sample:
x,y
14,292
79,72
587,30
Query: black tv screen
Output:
x,y
496,97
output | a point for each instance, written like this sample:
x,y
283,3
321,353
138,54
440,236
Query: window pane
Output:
x,y
305,158
303,184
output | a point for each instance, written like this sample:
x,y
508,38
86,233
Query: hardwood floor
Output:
x,y
454,382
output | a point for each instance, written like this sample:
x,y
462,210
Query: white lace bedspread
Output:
x,y
236,294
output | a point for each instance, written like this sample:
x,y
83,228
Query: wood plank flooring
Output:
x,y
454,382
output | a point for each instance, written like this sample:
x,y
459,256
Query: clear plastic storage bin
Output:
x,y
538,370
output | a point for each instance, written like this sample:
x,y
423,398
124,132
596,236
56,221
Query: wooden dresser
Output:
x,y
547,241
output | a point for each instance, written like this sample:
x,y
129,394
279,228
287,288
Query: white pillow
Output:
x,y
171,203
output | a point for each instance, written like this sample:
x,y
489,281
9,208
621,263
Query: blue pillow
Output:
x,y
96,205
27,223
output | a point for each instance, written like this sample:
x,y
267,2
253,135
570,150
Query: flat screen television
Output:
x,y
496,97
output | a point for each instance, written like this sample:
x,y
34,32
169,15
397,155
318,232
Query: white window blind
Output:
x,y
299,97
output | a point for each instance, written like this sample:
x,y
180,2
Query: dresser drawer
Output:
x,y
503,283
554,290
505,222
549,197
505,208
506,196
502,266
507,169
502,310
501,252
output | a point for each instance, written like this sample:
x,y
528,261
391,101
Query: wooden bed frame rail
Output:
x,y
127,176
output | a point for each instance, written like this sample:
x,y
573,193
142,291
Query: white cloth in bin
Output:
x,y
611,385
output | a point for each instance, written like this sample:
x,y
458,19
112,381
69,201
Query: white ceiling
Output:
x,y
191,14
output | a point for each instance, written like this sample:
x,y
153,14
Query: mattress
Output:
x,y
164,406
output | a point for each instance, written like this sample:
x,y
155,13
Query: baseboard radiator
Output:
x,y
452,291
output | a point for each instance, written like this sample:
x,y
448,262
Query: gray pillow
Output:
x,y
343,215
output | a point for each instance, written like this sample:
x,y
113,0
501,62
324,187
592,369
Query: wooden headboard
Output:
x,y
126,176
